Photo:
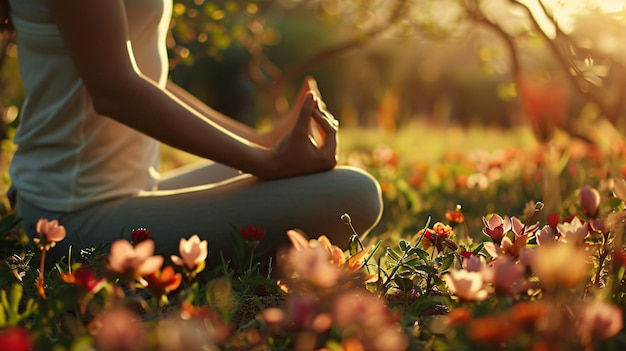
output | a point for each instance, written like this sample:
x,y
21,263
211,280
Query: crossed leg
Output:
x,y
217,211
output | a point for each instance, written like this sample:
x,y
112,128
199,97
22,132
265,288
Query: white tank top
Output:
x,y
68,156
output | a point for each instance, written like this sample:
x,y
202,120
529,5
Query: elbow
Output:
x,y
103,105
110,99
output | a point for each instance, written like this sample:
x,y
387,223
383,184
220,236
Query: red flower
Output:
x,y
253,233
138,235
16,339
83,277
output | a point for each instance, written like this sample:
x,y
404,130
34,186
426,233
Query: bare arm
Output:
x,y
96,35
269,139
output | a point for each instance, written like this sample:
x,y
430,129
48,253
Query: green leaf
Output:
x,y
393,255
16,296
3,316
426,269
404,284
445,261
403,245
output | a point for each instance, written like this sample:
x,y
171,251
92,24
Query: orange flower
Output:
x,y
50,232
492,329
459,315
193,253
438,236
455,216
133,262
160,283
529,313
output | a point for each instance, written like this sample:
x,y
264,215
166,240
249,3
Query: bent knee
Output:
x,y
365,204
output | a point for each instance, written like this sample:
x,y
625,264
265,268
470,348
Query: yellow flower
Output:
x,y
559,264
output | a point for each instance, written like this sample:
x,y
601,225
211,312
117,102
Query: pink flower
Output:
x,y
546,236
590,200
50,232
508,276
619,188
313,264
193,254
469,286
496,227
133,262
600,320
573,232
119,329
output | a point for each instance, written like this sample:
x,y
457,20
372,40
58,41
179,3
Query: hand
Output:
x,y
285,123
297,153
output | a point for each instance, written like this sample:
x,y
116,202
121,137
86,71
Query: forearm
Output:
x,y
223,121
145,107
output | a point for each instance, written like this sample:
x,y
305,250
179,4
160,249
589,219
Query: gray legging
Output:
x,y
215,202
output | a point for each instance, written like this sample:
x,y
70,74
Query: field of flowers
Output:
x,y
489,241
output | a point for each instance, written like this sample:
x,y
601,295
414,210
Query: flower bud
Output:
x,y
590,200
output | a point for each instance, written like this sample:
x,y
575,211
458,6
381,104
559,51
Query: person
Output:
x,y
98,104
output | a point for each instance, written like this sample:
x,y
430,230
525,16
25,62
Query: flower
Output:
x,y
590,200
438,236
50,232
466,285
253,233
85,278
600,320
313,264
138,235
133,262
455,216
619,188
574,231
361,315
118,329
160,283
559,264
492,329
496,227
508,276
16,338
545,236
529,313
193,254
